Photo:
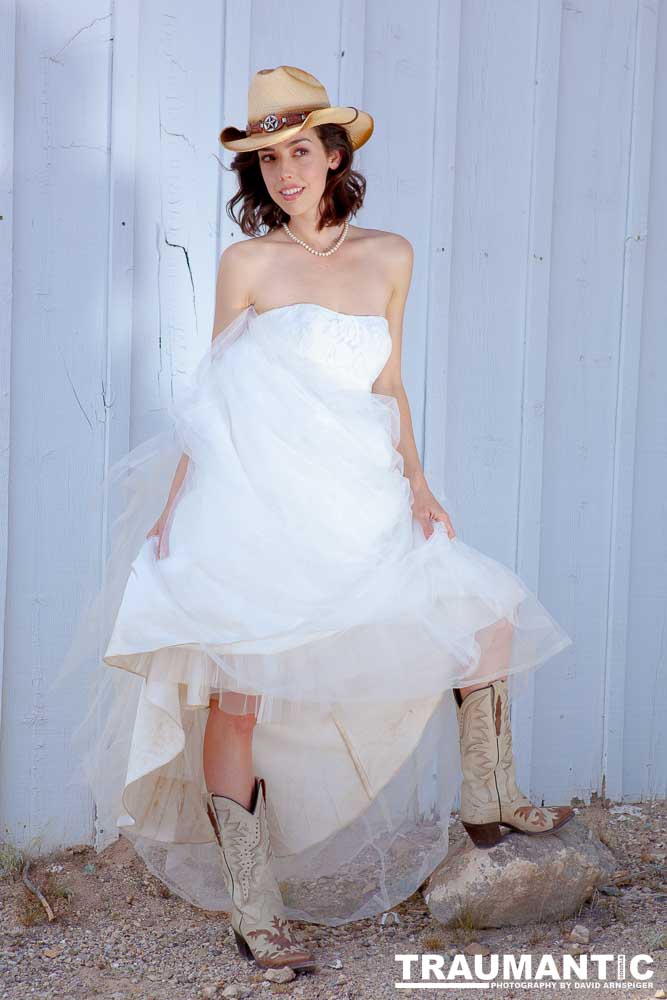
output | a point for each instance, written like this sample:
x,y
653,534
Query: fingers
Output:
x,y
163,547
427,527
442,516
449,527
159,531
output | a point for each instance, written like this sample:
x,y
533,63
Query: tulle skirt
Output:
x,y
299,588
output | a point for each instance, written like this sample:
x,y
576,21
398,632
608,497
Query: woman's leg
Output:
x,y
228,763
498,651
490,797
236,806
476,687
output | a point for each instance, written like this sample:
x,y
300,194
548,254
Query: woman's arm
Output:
x,y
233,285
230,298
390,382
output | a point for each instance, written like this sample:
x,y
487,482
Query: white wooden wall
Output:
x,y
521,146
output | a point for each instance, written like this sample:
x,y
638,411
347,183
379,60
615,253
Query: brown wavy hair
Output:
x,y
253,209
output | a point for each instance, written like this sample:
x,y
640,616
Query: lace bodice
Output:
x,y
352,348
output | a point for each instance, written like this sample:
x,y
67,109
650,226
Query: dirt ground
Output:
x,y
118,933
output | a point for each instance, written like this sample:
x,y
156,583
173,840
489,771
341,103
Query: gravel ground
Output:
x,y
118,933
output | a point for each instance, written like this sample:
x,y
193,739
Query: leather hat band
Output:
x,y
272,123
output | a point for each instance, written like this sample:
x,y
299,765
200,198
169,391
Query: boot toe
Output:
x,y
561,815
296,960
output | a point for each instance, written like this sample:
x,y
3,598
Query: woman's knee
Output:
x,y
505,629
235,721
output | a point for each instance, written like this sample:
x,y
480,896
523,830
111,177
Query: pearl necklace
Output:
x,y
318,253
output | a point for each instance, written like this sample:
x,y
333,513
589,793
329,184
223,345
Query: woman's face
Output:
x,y
299,163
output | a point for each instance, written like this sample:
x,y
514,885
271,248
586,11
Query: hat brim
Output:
x,y
359,124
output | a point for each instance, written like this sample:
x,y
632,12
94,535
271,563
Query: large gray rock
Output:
x,y
524,879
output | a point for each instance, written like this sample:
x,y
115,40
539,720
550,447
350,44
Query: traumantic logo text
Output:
x,y
548,972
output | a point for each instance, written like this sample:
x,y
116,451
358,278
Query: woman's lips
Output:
x,y
291,197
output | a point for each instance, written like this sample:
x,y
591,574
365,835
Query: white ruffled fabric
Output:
x,y
298,586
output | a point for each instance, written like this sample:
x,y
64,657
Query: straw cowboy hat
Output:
x,y
286,100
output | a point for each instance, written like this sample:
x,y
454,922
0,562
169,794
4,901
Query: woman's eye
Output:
x,y
268,157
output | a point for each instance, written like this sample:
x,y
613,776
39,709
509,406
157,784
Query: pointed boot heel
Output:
x,y
484,835
244,949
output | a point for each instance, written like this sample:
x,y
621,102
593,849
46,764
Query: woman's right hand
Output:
x,y
161,531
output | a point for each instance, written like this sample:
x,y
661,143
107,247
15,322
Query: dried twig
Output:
x,y
33,888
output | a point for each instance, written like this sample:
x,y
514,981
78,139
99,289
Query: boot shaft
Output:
x,y
243,837
258,913
489,792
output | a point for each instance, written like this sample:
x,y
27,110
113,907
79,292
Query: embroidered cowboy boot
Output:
x,y
490,797
258,919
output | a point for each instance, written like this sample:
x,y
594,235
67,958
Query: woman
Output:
x,y
301,608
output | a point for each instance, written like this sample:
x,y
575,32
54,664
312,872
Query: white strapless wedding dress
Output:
x,y
298,586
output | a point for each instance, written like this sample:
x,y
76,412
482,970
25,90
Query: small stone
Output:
x,y
284,975
623,877
208,992
660,995
475,948
51,952
233,991
580,933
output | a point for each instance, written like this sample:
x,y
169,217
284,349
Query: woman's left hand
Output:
x,y
427,509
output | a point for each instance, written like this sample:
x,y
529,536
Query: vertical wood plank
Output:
x,y
60,225
645,693
625,431
535,349
116,375
7,77
434,430
585,315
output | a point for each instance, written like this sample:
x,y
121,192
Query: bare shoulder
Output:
x,y
233,257
396,256
394,249
397,248
237,267
242,252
